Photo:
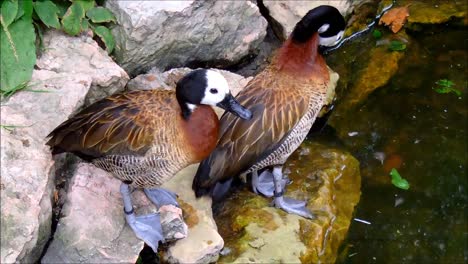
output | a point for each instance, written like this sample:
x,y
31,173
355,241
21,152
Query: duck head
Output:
x,y
325,20
207,87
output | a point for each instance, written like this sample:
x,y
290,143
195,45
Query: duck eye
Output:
x,y
213,91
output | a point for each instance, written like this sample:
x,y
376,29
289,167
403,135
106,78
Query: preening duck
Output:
x,y
284,99
145,137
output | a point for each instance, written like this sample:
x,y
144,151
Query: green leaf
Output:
x,y
100,15
72,19
25,7
9,11
445,83
445,86
445,90
18,54
62,7
398,181
106,36
377,34
84,24
396,45
85,4
47,12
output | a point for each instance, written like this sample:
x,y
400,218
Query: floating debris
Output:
x,y
362,221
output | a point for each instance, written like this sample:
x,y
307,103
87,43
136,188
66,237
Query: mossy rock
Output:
x,y
328,179
380,68
425,12
433,12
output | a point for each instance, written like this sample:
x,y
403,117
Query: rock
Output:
x,y
363,14
285,14
93,227
423,12
82,55
203,243
381,67
431,13
328,179
149,33
27,166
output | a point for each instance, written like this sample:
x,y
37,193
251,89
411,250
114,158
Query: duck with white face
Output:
x,y
145,137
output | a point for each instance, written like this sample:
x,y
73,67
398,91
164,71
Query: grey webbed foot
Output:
x,y
293,206
146,227
161,197
265,183
289,205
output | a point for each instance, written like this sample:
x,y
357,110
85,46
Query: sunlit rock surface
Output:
x,y
71,71
27,165
82,55
176,33
328,179
92,228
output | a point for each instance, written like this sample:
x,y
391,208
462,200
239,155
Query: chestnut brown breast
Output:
x,y
201,131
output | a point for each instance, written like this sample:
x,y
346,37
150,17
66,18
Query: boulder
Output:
x,y
166,34
328,179
82,55
92,228
71,70
285,14
27,166
203,243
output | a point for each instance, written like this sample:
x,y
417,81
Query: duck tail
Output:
x,y
201,178
204,182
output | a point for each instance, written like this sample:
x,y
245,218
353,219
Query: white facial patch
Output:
x,y
331,41
323,28
216,89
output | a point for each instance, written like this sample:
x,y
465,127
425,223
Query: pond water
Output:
x,y
407,125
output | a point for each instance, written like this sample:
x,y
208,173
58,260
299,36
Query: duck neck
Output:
x,y
301,58
186,109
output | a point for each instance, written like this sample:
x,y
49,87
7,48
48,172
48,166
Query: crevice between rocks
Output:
x,y
274,25
255,62
65,165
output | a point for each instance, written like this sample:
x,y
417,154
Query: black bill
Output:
x,y
231,105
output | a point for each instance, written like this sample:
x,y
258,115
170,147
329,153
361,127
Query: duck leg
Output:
x,y
289,205
146,227
265,183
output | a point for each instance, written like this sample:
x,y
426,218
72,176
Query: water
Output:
x,y
423,134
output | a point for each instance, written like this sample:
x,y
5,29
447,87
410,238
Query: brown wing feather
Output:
x,y
276,105
120,124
